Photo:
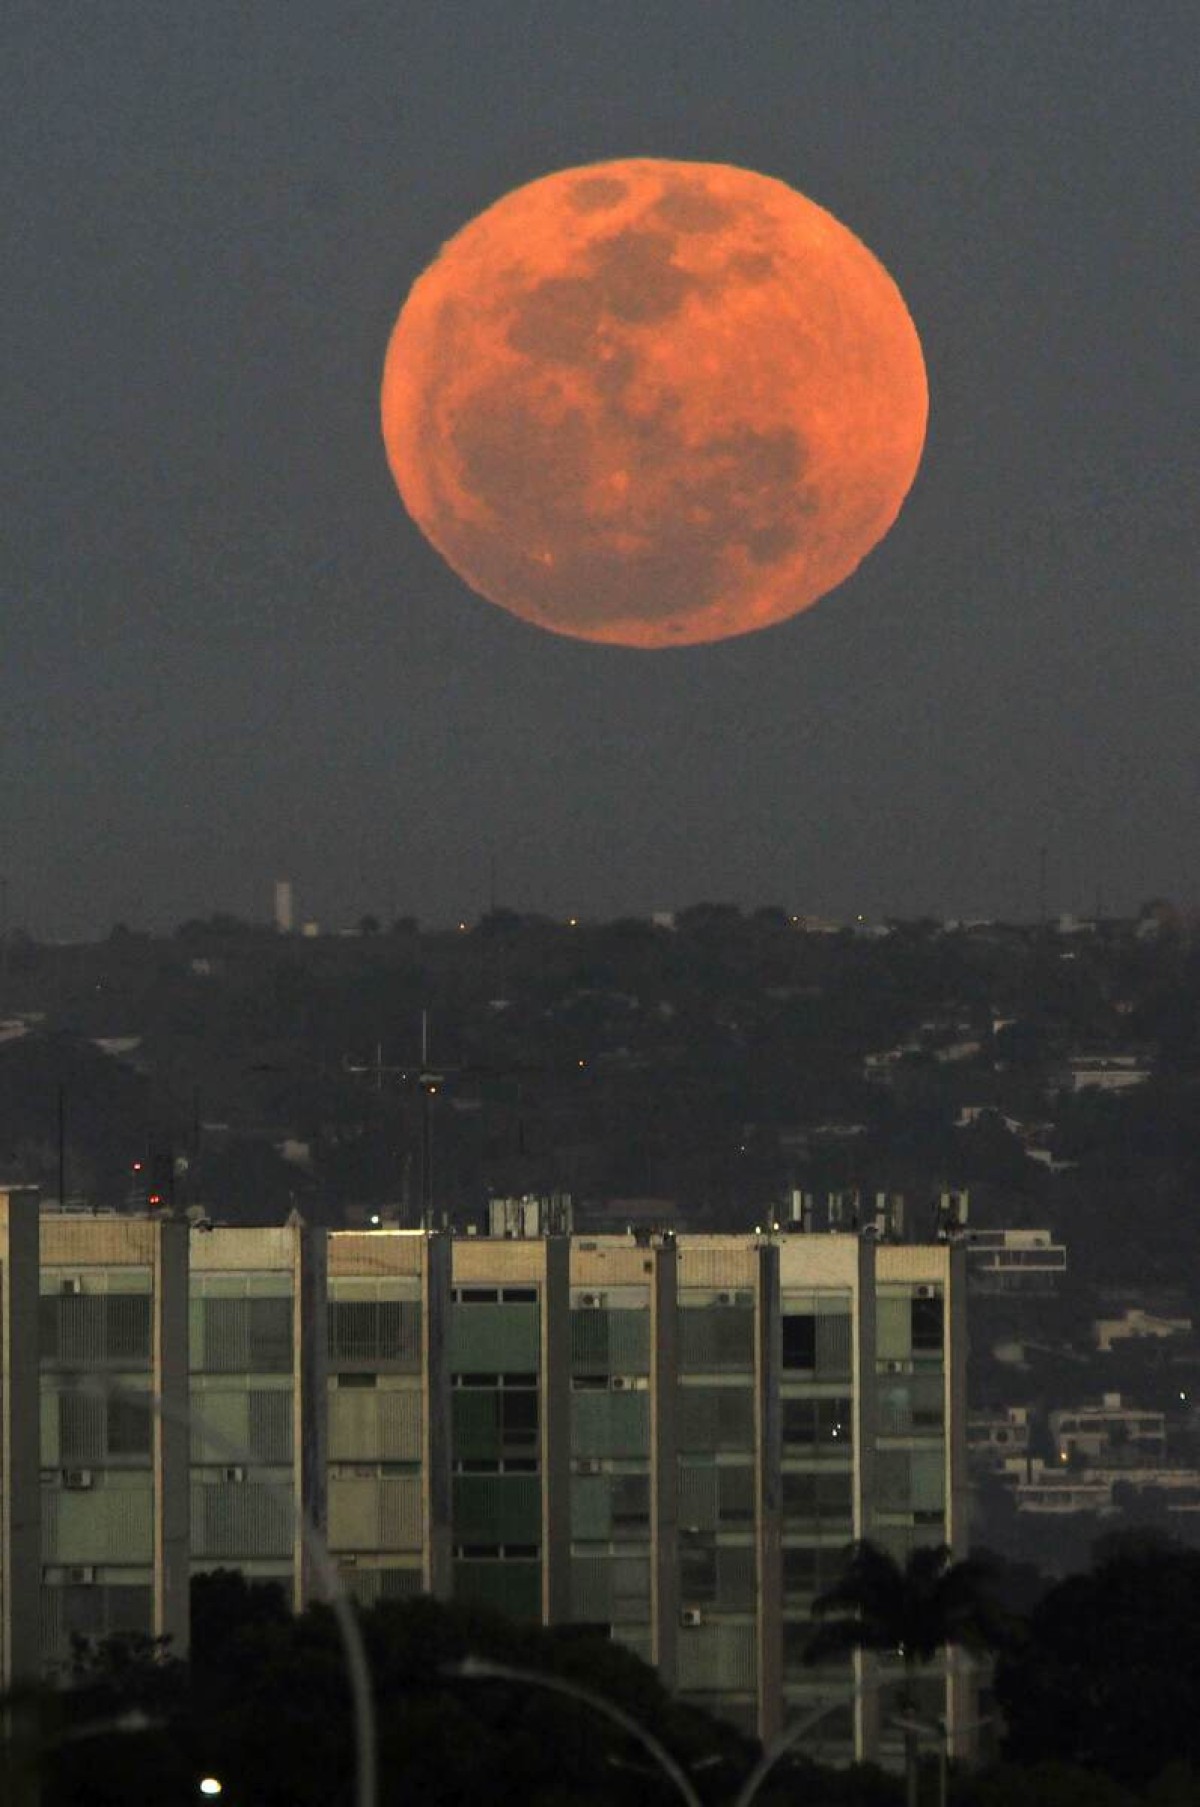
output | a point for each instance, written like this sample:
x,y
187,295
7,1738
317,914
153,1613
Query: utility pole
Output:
x,y
62,1145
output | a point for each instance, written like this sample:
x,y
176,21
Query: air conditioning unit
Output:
x,y
77,1479
71,1287
691,1615
623,1383
926,1292
233,1474
81,1576
896,1367
591,1301
589,1465
726,1299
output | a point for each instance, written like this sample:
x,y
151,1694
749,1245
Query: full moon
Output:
x,y
654,403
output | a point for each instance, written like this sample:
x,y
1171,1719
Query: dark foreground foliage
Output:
x,y
1099,1692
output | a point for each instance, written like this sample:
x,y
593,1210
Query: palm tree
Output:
x,y
912,1609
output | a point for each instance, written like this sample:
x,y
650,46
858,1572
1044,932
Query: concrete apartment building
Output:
x,y
670,1437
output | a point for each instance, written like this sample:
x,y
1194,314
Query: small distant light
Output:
x,y
1183,1396
572,922
462,928
137,1166
583,1063
155,1198
210,1786
376,1219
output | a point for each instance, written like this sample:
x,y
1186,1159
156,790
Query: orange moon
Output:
x,y
654,403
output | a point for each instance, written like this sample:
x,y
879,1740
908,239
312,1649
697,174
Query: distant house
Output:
x,y
1107,1072
1134,1322
1013,1261
993,1437
1109,1431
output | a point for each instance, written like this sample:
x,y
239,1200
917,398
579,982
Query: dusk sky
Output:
x,y
230,656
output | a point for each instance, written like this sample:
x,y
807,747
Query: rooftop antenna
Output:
x,y
431,1084
62,1146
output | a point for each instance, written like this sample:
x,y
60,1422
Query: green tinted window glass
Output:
x,y
893,1329
591,1508
716,1418
716,1337
511,1588
497,1509
610,1424
494,1339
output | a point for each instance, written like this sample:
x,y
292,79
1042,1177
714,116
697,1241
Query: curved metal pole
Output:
x,y
354,1650
792,1734
474,1668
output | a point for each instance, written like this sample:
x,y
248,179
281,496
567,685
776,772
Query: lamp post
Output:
x,y
474,1668
353,1648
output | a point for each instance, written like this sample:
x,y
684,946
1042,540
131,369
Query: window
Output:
x,y
800,1343
928,1325
809,1569
129,1427
247,1335
79,1328
630,1498
735,1495
822,1499
716,1418
914,1402
127,1326
819,1426
911,1481
375,1330
716,1337
519,1418
697,1574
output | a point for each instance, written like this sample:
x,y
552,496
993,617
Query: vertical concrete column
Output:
x,y
769,1496
310,1397
664,1464
866,1432
436,1416
20,1494
171,1436
556,1431
962,1670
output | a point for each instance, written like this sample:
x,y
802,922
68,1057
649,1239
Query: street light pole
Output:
x,y
474,1668
353,1648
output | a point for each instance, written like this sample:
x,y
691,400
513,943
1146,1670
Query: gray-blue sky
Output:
x,y
229,655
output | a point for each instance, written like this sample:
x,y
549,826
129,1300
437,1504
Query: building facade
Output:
x,y
669,1438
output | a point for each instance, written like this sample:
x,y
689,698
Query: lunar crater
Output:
x,y
654,403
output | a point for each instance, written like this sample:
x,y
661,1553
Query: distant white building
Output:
x,y
1013,1261
1134,1322
1107,1072
285,911
1109,1430
994,1437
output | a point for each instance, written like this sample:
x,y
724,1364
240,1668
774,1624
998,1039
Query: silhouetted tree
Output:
x,y
912,1609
